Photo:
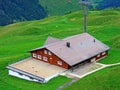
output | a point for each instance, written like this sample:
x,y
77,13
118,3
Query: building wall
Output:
x,y
53,59
101,55
16,74
22,76
47,56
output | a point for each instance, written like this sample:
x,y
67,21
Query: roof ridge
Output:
x,y
51,39
70,37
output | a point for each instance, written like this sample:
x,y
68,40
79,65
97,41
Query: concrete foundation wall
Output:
x,y
22,76
16,74
50,77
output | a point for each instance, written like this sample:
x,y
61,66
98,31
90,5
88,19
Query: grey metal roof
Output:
x,y
51,40
82,47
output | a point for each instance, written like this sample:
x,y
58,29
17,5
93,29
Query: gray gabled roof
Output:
x,y
51,40
82,47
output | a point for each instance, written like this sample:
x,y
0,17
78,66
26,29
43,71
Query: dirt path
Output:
x,y
77,77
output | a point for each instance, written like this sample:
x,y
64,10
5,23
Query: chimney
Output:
x,y
68,44
94,40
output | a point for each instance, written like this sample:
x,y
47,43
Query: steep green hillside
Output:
x,y
17,39
106,79
61,7
12,11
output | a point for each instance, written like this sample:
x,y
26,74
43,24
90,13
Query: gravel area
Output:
x,y
84,69
38,68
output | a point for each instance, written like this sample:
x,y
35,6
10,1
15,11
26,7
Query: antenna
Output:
x,y
85,5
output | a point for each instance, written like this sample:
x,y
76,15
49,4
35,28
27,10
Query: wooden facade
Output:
x,y
93,59
101,55
71,51
49,57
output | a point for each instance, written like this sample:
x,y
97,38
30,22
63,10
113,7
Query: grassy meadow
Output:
x,y
61,7
17,39
106,79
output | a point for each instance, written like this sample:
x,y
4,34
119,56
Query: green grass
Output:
x,y
106,79
17,39
19,84
0,27
61,7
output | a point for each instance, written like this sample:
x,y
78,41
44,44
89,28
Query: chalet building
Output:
x,y
57,56
71,51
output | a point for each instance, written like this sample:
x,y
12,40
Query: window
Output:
x,y
34,55
45,51
59,63
45,58
49,53
39,57
103,53
98,55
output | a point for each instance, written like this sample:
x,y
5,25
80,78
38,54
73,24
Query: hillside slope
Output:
x,y
106,79
61,7
12,11
20,10
17,39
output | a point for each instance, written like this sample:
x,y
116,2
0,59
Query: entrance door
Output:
x,y
92,60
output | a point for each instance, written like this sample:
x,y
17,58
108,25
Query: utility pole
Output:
x,y
85,5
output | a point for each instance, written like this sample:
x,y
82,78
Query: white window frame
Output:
x,y
45,51
49,53
45,58
34,55
98,55
39,56
59,62
103,53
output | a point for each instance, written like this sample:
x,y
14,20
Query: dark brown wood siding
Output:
x,y
101,55
51,58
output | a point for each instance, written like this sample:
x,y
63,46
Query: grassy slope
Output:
x,y
61,7
17,39
0,27
12,83
106,79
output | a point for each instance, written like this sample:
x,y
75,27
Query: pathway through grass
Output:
x,y
76,78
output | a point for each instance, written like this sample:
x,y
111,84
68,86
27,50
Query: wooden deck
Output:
x,y
38,68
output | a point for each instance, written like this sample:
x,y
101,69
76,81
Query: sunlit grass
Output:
x,y
17,39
